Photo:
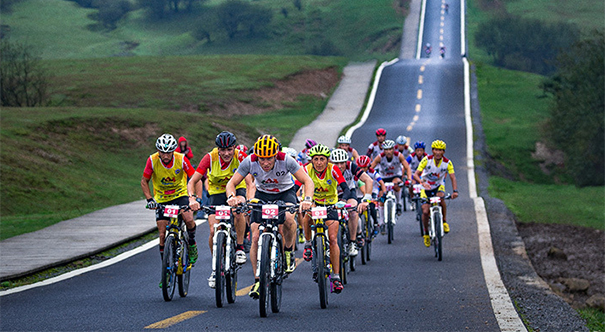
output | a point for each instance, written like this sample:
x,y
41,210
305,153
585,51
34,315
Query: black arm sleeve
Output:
x,y
346,192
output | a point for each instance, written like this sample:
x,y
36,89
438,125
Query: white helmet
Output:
x,y
344,140
401,140
290,151
339,156
388,144
166,143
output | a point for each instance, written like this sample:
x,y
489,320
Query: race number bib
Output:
x,y
222,212
435,200
417,188
270,211
319,212
171,211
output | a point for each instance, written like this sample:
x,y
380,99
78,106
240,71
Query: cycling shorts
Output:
x,y
425,194
391,179
159,213
288,196
221,199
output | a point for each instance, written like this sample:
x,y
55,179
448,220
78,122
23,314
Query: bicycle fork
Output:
x,y
228,243
259,252
433,229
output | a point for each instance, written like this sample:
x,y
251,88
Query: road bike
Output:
x,y
417,188
390,214
436,224
366,225
271,260
224,265
347,262
175,261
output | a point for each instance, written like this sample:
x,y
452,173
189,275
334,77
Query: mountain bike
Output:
x,y
271,259
347,262
436,224
390,210
175,261
366,224
224,241
418,206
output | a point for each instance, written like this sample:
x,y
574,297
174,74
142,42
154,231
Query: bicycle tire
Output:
x,y
389,206
438,236
219,269
183,279
419,216
363,224
404,198
265,276
322,271
231,277
343,254
276,283
169,268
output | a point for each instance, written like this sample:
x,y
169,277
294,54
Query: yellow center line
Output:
x,y
420,79
442,24
415,118
419,94
442,18
409,128
418,108
441,37
441,31
174,320
246,290
421,68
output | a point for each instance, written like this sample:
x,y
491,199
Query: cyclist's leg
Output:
x,y
334,249
240,220
289,230
353,220
211,222
425,210
254,246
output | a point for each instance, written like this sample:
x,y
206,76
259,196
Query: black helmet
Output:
x,y
225,140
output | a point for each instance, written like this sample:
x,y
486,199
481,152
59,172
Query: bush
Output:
x,y
236,15
23,79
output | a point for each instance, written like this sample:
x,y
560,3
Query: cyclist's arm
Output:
x,y
375,162
145,187
454,185
236,179
406,166
369,183
355,155
192,185
303,178
250,187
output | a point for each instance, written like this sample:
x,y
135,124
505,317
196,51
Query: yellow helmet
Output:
x,y
266,146
438,144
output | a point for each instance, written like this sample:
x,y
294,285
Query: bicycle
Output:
x,y
347,263
436,224
390,210
224,265
175,261
271,258
366,224
418,206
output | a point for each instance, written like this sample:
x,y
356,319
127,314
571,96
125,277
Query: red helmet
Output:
x,y
381,131
242,148
363,161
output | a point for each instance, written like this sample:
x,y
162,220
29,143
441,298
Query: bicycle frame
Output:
x,y
224,225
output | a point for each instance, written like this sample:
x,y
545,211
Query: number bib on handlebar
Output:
x,y
389,186
435,200
417,188
270,211
319,212
222,212
171,211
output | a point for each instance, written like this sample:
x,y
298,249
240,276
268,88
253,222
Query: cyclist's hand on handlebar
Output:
x,y
406,183
305,205
362,207
194,205
454,195
233,201
426,186
151,204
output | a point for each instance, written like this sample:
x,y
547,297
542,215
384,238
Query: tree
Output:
x,y
235,14
577,112
23,79
155,8
110,12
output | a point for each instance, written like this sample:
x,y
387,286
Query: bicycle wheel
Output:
x,y
183,278
231,277
438,235
419,216
169,268
219,269
389,208
342,241
404,198
322,271
276,284
265,276
363,225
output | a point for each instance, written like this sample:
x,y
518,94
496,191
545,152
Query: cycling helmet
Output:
x,y
339,156
166,143
401,140
344,140
319,150
309,143
388,144
381,131
290,151
438,144
266,146
225,140
363,161
242,148
419,145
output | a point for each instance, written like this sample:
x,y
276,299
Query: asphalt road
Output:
x,y
403,287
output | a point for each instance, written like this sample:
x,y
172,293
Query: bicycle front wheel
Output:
x,y
183,278
342,241
231,277
169,268
265,276
219,269
419,216
276,283
389,208
438,235
363,225
323,271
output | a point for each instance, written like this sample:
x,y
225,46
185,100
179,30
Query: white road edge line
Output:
x,y
420,31
71,274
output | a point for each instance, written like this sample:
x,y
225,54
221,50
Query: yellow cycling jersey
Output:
x,y
168,183
434,172
218,177
326,189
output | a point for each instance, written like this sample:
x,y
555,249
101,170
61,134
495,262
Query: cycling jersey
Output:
x,y
169,181
390,168
376,178
326,183
351,174
407,150
350,152
434,171
374,150
219,172
277,180
414,161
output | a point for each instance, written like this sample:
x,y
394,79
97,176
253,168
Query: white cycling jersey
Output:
x,y
390,168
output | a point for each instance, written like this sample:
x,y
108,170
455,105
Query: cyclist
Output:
x,y
375,148
168,171
242,148
377,186
442,51
219,165
272,172
303,155
352,173
414,160
428,49
402,146
184,148
431,173
391,165
344,142
327,178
